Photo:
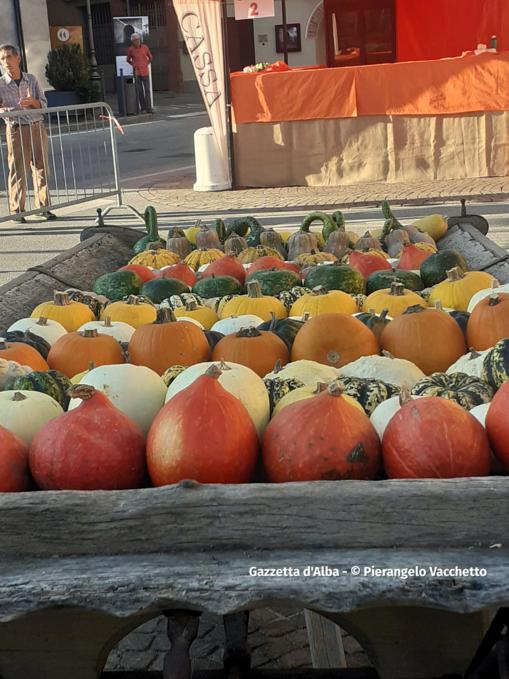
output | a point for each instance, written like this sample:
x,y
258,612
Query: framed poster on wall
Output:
x,y
293,40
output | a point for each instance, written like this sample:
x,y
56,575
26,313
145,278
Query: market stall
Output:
x,y
408,121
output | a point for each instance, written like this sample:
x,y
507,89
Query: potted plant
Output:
x,y
66,73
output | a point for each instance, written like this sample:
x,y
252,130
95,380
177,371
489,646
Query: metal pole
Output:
x,y
94,75
227,93
19,31
285,31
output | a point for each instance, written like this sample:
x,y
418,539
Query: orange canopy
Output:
x,y
447,86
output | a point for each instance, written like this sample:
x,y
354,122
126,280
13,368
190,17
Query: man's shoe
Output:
x,y
21,220
48,216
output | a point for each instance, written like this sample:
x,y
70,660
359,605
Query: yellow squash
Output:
x,y
396,299
459,287
71,315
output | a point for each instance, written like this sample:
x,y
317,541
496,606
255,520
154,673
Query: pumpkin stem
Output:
x,y
387,354
277,367
397,289
191,306
18,396
473,354
383,314
213,371
494,299
82,391
455,274
273,321
415,309
321,386
133,299
42,321
165,315
61,298
156,245
335,389
438,305
320,290
306,317
89,332
405,395
254,289
223,365
248,332
3,343
107,322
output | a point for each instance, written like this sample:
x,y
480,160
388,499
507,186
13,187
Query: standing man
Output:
x,y
27,140
139,56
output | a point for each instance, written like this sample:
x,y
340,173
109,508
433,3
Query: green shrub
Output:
x,y
65,70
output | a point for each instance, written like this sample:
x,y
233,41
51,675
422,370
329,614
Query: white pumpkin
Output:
x,y
26,412
240,381
191,320
228,326
391,370
308,372
9,371
478,296
385,411
134,389
49,330
470,364
121,331
480,412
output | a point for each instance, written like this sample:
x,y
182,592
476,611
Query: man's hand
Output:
x,y
29,102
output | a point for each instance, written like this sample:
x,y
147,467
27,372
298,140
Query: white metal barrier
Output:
x,y
58,157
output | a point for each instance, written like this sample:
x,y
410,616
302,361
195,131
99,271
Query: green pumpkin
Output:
x,y
285,328
35,341
213,337
274,281
336,277
152,236
95,302
172,373
466,390
461,318
375,322
179,300
368,392
277,387
288,297
218,286
162,288
247,227
328,223
434,269
495,369
117,285
51,382
380,280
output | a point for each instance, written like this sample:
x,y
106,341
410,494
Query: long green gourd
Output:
x,y
150,216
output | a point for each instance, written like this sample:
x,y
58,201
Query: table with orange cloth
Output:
x,y
407,121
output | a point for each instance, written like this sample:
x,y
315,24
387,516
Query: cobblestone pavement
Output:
x,y
277,638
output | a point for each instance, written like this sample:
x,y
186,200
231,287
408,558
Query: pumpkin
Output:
x,y
395,241
285,328
263,263
43,327
73,352
160,289
207,238
337,243
339,220
314,257
202,256
495,368
136,391
466,390
301,242
121,331
207,317
497,425
226,266
117,285
23,354
396,300
383,279
239,380
335,277
14,476
233,324
182,300
385,411
218,286
434,225
461,318
258,350
368,392
144,273
323,438
433,269
486,292
429,338
132,311
470,364
274,281
181,272
150,218
178,243
324,302
166,342
253,253
367,263
31,340
253,303
272,239
234,245
489,321
308,373
72,452
367,242
308,392
10,371
334,339
480,413
328,223
155,258
289,297
25,412
93,300
69,314
435,438
222,449
50,382
386,368
247,227
459,287
375,322
190,233
413,256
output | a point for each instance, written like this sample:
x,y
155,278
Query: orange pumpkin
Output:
x,y
167,342
256,349
488,322
23,354
334,339
74,352
430,338
413,256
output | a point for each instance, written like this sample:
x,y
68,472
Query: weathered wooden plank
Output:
x,y
353,673
325,641
335,515
479,251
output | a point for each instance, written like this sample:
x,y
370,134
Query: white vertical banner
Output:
x,y
201,22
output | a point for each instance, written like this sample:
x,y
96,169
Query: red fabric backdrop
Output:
x,y
433,29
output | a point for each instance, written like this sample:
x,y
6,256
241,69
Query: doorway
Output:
x,y
241,50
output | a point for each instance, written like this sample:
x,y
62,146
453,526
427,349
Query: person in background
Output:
x,y
26,136
139,56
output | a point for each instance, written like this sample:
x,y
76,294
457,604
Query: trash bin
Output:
x,y
210,172
131,98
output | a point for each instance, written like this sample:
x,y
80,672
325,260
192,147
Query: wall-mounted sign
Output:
x,y
247,9
66,35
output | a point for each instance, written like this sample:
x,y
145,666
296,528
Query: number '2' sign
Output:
x,y
248,9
